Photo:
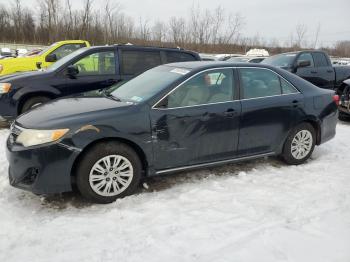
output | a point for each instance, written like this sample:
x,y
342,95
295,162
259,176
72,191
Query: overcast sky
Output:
x,y
268,18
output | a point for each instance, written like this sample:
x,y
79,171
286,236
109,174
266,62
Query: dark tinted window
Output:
x,y
135,62
307,57
179,57
259,83
320,59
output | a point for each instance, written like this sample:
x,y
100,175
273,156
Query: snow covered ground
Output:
x,y
255,211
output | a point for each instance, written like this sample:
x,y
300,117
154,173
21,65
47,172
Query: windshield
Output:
x,y
46,49
283,60
149,83
65,59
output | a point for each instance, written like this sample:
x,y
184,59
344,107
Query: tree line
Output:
x,y
202,30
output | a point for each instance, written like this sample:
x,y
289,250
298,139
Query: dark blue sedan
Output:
x,y
171,118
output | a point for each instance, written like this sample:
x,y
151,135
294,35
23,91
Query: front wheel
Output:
x,y
33,102
299,144
108,171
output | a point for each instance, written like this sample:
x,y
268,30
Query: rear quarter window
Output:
x,y
173,57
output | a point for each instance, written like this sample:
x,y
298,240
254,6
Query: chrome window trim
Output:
x,y
260,97
233,100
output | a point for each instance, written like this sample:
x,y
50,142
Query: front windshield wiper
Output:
x,y
109,94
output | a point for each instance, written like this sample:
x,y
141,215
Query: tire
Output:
x,y
304,133
33,102
97,184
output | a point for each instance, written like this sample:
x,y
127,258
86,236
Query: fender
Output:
x,y
30,90
87,135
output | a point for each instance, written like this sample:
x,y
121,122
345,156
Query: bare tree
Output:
x,y
159,31
300,30
316,35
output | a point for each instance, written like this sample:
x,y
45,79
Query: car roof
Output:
x,y
201,65
140,47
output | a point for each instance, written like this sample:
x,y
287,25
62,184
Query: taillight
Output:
x,y
336,99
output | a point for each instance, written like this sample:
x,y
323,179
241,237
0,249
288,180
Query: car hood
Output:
x,y
23,75
67,112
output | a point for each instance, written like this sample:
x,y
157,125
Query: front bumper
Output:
x,y
8,108
41,170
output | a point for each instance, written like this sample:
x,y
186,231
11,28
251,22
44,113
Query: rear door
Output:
x,y
270,106
325,71
97,70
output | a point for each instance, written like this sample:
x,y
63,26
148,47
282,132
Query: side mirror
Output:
x,y
38,65
51,58
303,63
72,71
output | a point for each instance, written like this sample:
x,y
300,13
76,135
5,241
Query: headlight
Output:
x,y
31,137
4,87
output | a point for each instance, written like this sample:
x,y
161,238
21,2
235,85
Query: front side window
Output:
x,y
208,87
101,63
67,49
258,82
136,62
306,57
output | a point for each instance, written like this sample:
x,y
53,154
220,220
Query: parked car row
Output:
x,y
84,70
153,111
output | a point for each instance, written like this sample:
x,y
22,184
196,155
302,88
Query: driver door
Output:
x,y
96,71
198,122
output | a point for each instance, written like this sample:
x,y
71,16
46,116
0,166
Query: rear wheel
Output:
x,y
108,171
34,102
299,144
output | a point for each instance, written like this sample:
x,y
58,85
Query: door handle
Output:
x,y
330,71
295,103
313,72
230,112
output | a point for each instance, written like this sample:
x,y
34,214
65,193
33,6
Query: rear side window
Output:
x,y
173,57
320,59
257,82
136,62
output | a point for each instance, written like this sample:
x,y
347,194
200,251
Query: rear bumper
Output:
x,y
41,170
328,127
